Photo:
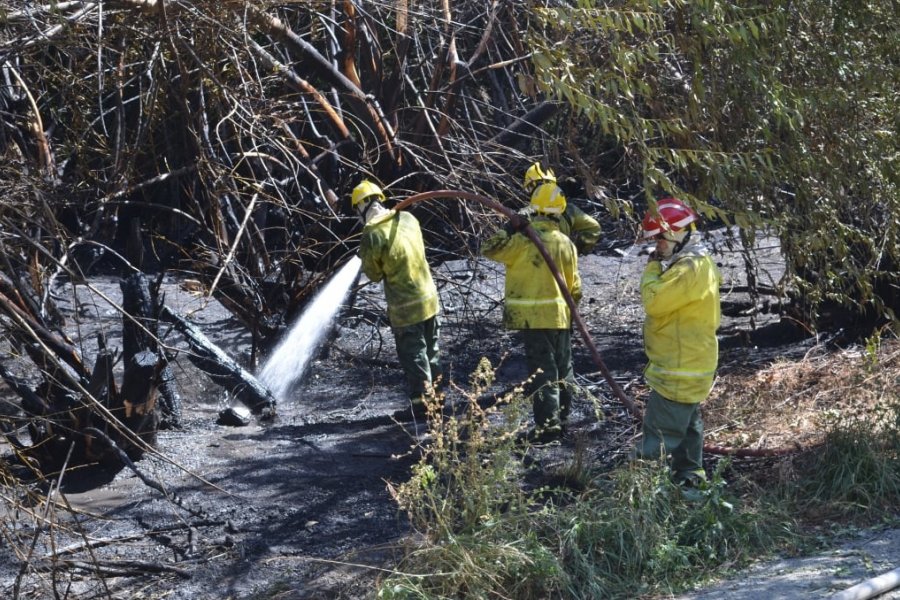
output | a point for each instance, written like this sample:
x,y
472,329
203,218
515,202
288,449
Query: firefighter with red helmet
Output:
x,y
680,295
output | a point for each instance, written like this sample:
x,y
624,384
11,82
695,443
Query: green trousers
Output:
x,y
550,350
419,354
676,430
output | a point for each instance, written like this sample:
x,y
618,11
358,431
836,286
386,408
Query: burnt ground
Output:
x,y
298,507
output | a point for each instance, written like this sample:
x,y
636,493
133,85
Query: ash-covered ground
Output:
x,y
298,507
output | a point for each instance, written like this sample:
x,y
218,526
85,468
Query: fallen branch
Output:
x,y
871,587
213,361
755,452
99,543
112,568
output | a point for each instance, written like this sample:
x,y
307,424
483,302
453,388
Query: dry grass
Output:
x,y
789,403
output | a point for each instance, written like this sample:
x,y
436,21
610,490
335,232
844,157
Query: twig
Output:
x,y
114,568
248,212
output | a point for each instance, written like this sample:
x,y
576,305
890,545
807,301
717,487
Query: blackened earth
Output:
x,y
299,507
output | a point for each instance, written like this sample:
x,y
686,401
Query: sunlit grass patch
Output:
x,y
791,403
600,535
839,411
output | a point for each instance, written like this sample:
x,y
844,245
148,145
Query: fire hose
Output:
x,y
617,390
573,309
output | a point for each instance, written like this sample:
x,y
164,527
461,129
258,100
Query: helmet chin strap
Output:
x,y
677,244
682,243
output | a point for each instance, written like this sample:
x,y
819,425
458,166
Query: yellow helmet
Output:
x,y
548,199
363,191
535,175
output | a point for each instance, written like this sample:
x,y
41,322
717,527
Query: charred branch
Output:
x,y
221,369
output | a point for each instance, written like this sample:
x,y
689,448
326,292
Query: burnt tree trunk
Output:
x,y
224,371
140,333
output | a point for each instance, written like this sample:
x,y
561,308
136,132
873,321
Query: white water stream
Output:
x,y
288,362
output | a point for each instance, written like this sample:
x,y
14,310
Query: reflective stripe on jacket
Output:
x,y
532,298
682,315
392,250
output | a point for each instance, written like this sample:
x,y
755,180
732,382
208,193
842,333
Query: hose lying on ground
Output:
x,y
871,587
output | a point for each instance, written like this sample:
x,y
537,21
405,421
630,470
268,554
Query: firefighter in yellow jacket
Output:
x,y
392,251
535,305
680,294
580,227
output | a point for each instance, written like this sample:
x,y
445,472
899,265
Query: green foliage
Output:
x,y
757,113
469,471
872,348
462,497
639,531
634,531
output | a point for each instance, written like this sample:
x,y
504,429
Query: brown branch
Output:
x,y
37,127
452,59
486,36
312,168
303,86
393,85
371,112
349,59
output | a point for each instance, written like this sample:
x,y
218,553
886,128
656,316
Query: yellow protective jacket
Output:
x,y
533,299
582,229
392,250
682,315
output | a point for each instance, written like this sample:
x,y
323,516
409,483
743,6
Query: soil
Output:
x,y
299,507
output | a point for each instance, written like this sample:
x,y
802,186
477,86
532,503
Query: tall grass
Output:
x,y
632,531
628,532
856,473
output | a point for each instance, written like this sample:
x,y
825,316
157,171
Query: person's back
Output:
x,y
392,249
535,305
533,299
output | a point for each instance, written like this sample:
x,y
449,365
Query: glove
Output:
x,y
515,224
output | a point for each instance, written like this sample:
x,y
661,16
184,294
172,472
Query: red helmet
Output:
x,y
671,215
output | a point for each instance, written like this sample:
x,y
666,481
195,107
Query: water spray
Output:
x,y
288,362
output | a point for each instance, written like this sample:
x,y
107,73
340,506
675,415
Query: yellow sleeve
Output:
x,y
576,287
585,230
664,292
501,246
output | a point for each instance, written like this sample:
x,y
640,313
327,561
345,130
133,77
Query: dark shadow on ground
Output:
x,y
286,509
